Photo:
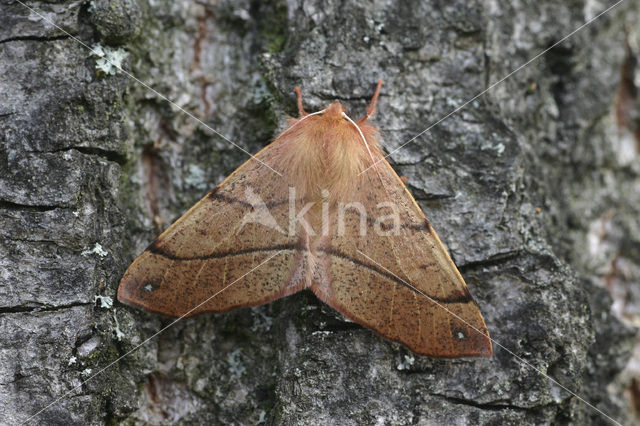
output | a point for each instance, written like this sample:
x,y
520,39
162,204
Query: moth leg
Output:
x,y
371,109
301,110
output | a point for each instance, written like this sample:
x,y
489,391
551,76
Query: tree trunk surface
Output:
x,y
534,187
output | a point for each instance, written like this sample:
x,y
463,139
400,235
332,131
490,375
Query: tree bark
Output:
x,y
532,186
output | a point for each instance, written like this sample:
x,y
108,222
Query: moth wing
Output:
x,y
403,285
219,246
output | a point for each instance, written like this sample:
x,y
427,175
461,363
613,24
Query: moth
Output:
x,y
319,208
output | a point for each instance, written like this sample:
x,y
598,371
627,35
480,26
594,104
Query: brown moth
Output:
x,y
337,220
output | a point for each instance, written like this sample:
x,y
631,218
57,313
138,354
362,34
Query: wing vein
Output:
x,y
166,254
460,299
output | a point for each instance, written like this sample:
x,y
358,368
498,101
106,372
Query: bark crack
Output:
x,y
496,259
8,205
35,38
490,407
42,308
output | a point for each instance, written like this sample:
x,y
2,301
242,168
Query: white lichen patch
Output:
x,y
261,321
196,177
97,249
105,301
109,60
119,333
88,347
236,367
72,360
406,363
498,148
201,384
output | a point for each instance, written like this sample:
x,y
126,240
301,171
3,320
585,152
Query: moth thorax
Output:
x,y
344,162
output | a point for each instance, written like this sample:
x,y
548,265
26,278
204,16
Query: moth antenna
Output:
x,y
301,110
361,135
371,109
300,120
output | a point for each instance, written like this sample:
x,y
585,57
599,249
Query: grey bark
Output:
x,y
519,185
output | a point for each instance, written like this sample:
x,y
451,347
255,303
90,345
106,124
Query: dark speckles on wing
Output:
x,y
419,227
224,197
462,298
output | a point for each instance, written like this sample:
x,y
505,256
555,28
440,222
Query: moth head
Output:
x,y
334,111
